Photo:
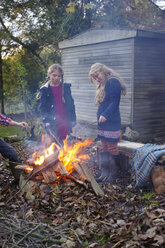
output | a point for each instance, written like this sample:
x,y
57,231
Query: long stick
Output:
x,y
54,138
87,125
35,228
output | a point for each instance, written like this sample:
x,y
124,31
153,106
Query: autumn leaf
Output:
x,y
89,6
70,8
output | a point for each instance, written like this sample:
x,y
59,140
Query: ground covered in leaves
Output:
x,y
69,215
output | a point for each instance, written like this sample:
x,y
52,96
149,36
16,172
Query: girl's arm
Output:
x,y
114,91
4,120
19,124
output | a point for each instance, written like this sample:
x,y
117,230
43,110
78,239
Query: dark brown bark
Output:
x,y
1,82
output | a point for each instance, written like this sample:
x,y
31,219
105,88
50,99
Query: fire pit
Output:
x,y
55,163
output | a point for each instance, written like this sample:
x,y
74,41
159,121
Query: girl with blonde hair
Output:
x,y
109,87
57,105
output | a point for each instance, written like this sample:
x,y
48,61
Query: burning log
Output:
x,y
64,162
49,168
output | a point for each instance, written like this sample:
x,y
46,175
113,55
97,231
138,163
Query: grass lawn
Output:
x,y
6,131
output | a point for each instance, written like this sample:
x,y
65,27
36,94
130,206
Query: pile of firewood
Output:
x,y
53,169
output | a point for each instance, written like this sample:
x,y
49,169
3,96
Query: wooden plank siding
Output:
x,y
149,87
139,57
76,63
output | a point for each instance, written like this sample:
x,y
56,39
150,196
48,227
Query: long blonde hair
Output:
x,y
108,73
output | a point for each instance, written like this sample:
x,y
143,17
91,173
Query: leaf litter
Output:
x,y
70,215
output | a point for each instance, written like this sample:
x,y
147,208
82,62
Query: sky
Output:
x,y
161,4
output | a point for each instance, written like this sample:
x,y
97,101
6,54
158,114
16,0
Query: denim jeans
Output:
x,y
8,151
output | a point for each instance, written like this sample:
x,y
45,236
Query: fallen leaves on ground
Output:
x,y
69,215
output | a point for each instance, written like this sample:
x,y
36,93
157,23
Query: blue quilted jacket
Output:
x,y
47,108
109,108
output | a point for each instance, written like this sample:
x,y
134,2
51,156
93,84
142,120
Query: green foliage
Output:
x,y
141,14
14,106
36,27
147,197
104,239
36,128
42,24
22,77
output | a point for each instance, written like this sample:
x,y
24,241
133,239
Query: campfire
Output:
x,y
62,162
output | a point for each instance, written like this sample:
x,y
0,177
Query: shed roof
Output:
x,y
93,36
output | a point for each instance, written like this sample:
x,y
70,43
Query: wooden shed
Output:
x,y
139,57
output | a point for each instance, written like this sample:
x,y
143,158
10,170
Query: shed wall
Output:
x,y
76,62
149,87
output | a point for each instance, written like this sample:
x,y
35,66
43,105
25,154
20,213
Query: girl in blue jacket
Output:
x,y
57,105
108,92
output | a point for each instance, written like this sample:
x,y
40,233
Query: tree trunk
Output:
x,y
24,102
1,82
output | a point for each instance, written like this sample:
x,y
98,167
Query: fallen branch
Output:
x,y
29,233
32,233
77,181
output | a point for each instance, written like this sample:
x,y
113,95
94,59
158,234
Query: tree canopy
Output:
x,y
32,29
40,24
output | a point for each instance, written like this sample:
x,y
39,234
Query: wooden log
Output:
x,y
49,175
80,172
92,180
158,179
123,164
61,168
52,160
125,147
77,181
128,148
52,165
48,169
163,157
161,160
23,166
126,151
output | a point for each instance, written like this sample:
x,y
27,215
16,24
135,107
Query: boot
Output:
x,y
113,160
104,156
110,174
16,172
117,160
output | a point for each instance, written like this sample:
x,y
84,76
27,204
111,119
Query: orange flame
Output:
x,y
29,169
47,152
68,155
